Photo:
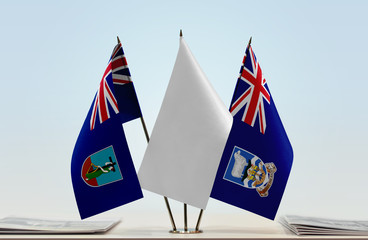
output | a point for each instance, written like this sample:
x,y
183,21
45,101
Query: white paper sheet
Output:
x,y
46,226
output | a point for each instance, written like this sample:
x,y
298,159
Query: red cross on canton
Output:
x,y
253,97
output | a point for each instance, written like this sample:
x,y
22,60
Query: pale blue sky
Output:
x,y
312,53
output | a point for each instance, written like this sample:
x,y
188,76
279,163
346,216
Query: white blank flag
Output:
x,y
188,138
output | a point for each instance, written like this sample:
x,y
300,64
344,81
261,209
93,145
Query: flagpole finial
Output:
x,y
118,39
250,41
181,33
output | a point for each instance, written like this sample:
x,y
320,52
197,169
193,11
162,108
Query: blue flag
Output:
x,y
257,158
102,169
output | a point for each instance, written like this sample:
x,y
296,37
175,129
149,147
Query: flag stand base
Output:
x,y
182,231
186,230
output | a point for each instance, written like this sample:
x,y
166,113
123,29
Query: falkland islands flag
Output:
x,y
257,159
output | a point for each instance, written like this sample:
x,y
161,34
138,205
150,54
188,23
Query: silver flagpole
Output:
x,y
185,205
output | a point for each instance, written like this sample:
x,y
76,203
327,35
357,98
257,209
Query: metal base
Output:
x,y
182,231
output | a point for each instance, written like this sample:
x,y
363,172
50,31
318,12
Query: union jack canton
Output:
x,y
117,70
252,90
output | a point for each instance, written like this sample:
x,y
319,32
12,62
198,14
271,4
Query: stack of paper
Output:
x,y
42,226
322,226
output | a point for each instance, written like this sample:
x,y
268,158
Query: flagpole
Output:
x,y
165,198
250,41
170,213
147,138
199,220
145,129
236,86
185,205
185,218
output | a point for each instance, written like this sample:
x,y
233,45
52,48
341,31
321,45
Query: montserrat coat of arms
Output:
x,y
248,170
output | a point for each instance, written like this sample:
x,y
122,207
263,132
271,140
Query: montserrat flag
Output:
x,y
257,158
102,169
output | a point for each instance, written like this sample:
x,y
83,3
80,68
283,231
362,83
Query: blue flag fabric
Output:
x,y
102,170
258,156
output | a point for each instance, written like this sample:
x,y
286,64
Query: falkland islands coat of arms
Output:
x,y
101,168
247,170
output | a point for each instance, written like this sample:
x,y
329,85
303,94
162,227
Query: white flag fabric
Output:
x,y
188,138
